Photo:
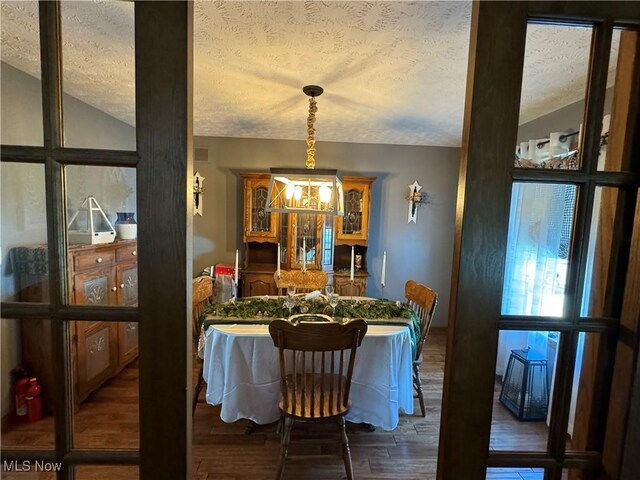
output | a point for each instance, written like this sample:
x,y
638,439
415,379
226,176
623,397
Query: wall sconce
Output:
x,y
198,180
416,197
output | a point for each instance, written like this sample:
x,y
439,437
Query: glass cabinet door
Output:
x,y
259,225
352,221
306,240
353,228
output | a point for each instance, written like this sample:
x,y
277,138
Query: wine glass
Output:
x,y
290,300
328,290
333,301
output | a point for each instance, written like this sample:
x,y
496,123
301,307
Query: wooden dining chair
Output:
x,y
423,301
304,282
316,365
201,298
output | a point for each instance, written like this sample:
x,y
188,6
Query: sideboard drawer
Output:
x,y
93,259
127,253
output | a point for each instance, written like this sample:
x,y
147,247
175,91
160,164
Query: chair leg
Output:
x,y
280,427
284,446
417,384
198,389
346,452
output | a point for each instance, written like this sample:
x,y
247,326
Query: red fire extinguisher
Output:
x,y
34,400
20,387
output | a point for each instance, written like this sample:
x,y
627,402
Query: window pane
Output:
x,y
99,74
101,208
553,92
21,105
540,232
524,377
105,378
26,355
25,269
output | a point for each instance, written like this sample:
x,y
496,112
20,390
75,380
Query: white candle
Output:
x,y
352,260
278,260
304,254
384,268
236,271
212,269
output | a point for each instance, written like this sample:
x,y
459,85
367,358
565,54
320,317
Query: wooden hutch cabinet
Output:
x,y
325,241
103,274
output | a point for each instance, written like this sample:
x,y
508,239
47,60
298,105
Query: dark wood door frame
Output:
x,y
486,174
164,67
163,162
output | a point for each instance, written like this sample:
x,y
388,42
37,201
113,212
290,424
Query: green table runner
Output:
x,y
260,311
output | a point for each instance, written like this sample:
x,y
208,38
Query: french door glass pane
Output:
x,y
552,98
99,74
584,390
623,78
519,473
112,472
105,378
539,239
25,271
21,105
602,235
102,231
26,355
525,368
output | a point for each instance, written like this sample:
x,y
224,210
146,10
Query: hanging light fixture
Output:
x,y
307,190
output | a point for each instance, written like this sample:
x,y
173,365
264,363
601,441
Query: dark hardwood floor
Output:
x,y
108,419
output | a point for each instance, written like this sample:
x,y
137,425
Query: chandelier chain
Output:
x,y
311,142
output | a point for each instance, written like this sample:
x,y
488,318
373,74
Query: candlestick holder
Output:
x,y
234,288
382,292
351,289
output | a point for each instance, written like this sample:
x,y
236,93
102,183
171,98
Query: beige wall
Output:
x,y
421,251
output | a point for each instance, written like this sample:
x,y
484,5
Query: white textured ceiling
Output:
x,y
393,72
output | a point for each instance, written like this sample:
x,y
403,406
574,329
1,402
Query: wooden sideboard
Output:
x,y
97,275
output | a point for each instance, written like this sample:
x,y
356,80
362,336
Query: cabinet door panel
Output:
x,y
310,228
95,287
258,284
97,349
127,278
353,228
259,225
127,342
343,286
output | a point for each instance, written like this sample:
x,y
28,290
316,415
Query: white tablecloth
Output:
x,y
242,373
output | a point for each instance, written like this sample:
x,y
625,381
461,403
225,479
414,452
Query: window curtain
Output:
x,y
536,264
540,224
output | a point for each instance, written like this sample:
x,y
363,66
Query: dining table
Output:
x,y
241,370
